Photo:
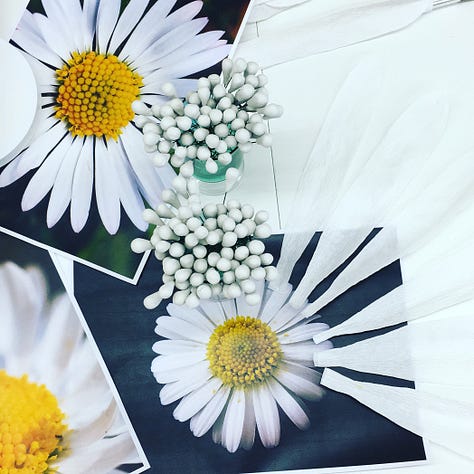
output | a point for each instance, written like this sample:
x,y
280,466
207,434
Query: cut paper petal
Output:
x,y
329,159
414,136
426,351
443,421
313,31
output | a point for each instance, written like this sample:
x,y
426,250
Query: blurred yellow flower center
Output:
x,y
31,426
95,94
243,352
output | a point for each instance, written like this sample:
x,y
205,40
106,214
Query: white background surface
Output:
x,y
435,53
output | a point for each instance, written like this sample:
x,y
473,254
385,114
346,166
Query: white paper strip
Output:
x,y
414,136
443,421
326,166
427,351
445,282
313,31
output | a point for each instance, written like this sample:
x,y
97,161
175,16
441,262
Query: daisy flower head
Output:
x,y
91,60
234,367
48,374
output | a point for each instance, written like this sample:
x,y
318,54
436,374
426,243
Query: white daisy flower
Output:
x,y
233,364
48,375
91,62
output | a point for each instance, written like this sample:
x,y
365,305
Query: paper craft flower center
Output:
x,y
31,426
243,352
95,94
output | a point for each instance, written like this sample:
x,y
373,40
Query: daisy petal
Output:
x,y
183,329
177,361
266,416
245,309
301,353
43,180
142,36
233,425
286,314
275,301
55,38
289,405
62,188
202,422
90,9
195,401
301,380
174,375
248,431
107,17
93,430
192,316
229,308
301,333
106,190
213,311
168,346
33,156
127,22
176,390
81,195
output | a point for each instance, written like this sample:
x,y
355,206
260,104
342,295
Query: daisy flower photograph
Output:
x,y
49,372
232,387
81,178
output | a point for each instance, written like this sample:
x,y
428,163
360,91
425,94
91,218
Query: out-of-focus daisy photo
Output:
x,y
84,155
57,411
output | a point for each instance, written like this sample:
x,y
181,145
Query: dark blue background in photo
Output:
x,y
343,432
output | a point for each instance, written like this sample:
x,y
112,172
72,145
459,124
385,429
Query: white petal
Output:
x,y
175,328
300,380
82,186
304,332
130,197
286,314
171,41
195,63
33,44
248,431
155,24
21,300
191,316
202,422
275,301
107,17
195,401
54,37
150,180
101,456
175,375
90,9
34,155
177,361
201,42
233,425
176,390
289,405
167,347
127,22
62,188
95,429
301,352
213,310
106,189
266,416
229,308
43,180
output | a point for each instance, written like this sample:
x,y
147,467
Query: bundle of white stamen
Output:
x,y
224,114
207,251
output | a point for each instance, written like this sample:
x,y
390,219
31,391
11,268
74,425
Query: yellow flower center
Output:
x,y
31,426
95,94
243,352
